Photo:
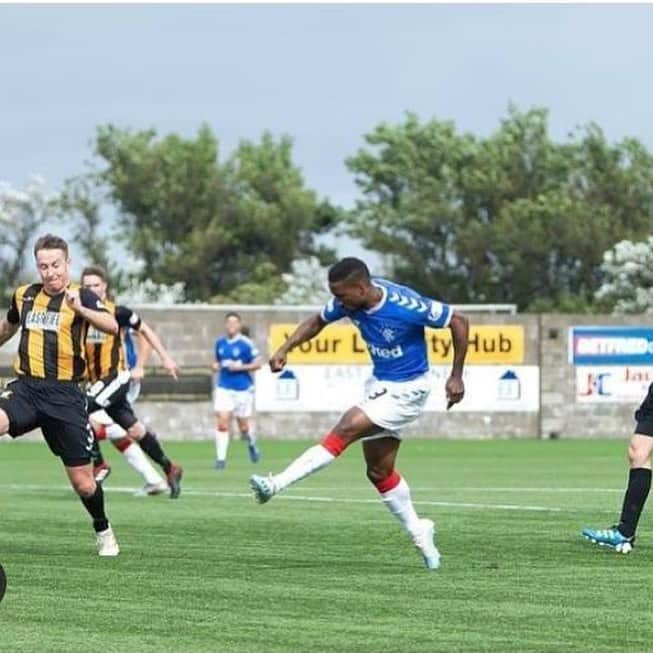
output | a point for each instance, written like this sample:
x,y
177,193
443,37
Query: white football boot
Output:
x,y
263,487
107,544
425,543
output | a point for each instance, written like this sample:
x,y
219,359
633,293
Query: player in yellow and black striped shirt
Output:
x,y
109,378
53,317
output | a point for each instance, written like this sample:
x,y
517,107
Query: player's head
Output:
x,y
94,278
233,324
52,262
350,283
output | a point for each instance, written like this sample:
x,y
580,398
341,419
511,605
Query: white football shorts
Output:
x,y
393,405
238,402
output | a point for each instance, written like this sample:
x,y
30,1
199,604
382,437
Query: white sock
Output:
x,y
221,444
249,435
310,461
138,461
115,432
399,503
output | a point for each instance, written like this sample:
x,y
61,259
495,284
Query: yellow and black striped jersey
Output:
x,y
105,353
52,336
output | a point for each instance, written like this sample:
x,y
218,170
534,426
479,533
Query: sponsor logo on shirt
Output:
x,y
95,336
42,320
386,352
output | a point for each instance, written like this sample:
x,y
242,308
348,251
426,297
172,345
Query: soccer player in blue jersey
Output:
x,y
236,359
391,319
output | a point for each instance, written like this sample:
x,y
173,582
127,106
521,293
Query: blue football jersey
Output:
x,y
393,330
242,349
131,355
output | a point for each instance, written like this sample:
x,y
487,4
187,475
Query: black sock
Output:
x,y
150,445
95,506
639,484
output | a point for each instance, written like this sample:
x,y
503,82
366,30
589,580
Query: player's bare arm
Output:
x,y
308,329
101,320
154,340
7,330
145,350
455,387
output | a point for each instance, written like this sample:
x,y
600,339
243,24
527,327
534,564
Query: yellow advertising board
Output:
x,y
498,344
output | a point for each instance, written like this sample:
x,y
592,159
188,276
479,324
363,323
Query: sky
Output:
x,y
324,74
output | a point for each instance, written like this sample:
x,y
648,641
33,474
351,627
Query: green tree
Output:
x,y
22,212
215,227
514,217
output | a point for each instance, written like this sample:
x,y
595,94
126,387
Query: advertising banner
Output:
x,y
610,346
626,384
334,388
342,343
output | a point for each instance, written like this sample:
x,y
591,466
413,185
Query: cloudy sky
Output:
x,y
323,74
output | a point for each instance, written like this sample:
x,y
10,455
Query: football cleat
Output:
x,y
174,480
610,537
107,544
220,465
152,489
254,453
425,543
101,472
263,487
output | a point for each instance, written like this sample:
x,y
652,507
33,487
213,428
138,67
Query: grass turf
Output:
x,y
325,568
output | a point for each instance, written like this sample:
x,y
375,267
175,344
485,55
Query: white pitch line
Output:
x,y
313,499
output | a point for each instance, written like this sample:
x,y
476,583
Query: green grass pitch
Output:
x,y
325,568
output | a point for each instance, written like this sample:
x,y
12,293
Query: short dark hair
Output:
x,y
233,314
50,241
349,269
95,270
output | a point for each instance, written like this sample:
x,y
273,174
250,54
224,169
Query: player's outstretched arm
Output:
x,y
84,305
145,350
154,340
308,329
7,330
455,388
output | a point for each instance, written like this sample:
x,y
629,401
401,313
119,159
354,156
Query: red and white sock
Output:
x,y
221,444
312,460
138,461
395,494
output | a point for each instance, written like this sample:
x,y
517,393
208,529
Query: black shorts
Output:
x,y
110,395
644,414
58,408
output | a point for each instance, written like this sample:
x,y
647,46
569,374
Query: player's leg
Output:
x,y
151,445
136,459
246,426
352,426
223,420
98,419
65,427
91,494
380,456
122,413
223,406
244,413
622,536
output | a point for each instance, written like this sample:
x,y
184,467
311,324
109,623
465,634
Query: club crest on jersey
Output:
x,y
436,311
388,334
42,320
